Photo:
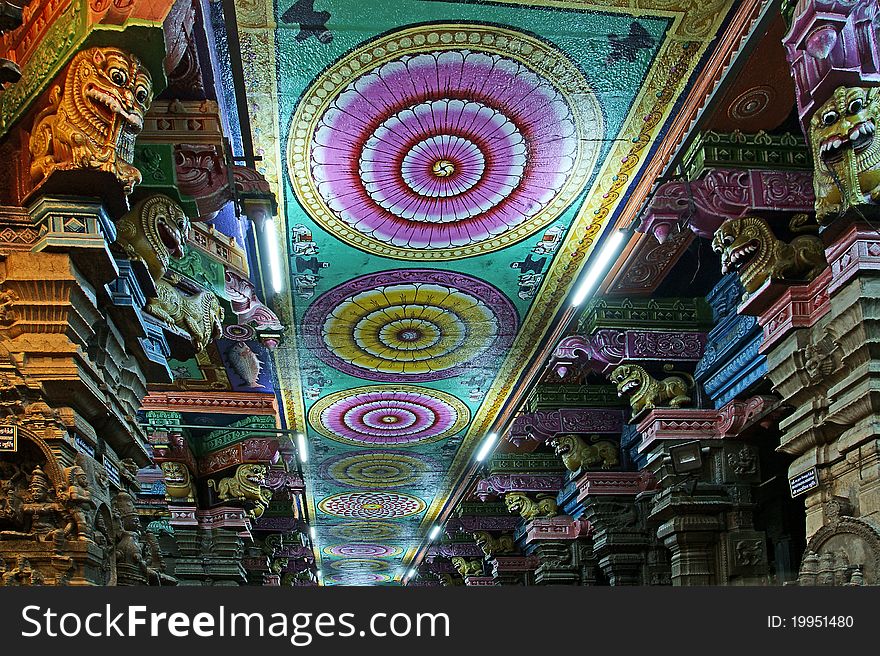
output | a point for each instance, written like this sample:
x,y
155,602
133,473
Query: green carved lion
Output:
x,y
846,152
491,546
178,482
467,567
576,453
543,506
647,393
199,315
245,485
748,246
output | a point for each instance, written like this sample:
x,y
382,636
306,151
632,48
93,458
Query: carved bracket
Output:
x,y
499,484
542,425
591,484
607,348
557,528
703,205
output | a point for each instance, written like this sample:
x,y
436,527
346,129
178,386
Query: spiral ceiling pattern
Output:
x,y
457,145
411,324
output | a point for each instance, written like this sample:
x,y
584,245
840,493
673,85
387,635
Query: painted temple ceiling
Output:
x,y
443,169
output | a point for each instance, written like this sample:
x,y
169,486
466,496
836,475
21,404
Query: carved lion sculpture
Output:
x,y
246,485
467,567
647,393
178,482
491,546
93,118
577,453
198,315
846,155
749,247
154,231
529,509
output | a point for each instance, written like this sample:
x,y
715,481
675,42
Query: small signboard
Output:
x,y
803,482
8,438
112,472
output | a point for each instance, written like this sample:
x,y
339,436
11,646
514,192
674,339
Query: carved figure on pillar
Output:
x,y
467,567
246,485
153,232
646,392
576,453
749,247
178,482
845,152
544,505
199,315
93,117
45,513
80,507
492,546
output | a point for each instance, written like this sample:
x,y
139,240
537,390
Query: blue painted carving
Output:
x,y
127,299
731,362
630,439
567,499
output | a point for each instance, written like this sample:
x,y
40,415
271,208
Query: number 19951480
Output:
x,y
810,622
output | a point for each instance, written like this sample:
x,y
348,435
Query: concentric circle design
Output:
x,y
364,578
372,505
359,550
444,141
417,324
358,565
377,469
371,531
239,333
403,415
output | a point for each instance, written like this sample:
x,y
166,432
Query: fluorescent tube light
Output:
x,y
272,250
435,532
301,450
486,447
599,267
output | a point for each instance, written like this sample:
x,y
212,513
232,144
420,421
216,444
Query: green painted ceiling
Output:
x,y
443,169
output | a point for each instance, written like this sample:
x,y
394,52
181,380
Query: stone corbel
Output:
x,y
561,528
506,565
455,549
474,523
832,44
479,580
693,424
257,450
591,484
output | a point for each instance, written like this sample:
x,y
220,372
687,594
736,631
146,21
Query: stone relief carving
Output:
x,y
246,485
467,567
845,551
179,485
492,546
